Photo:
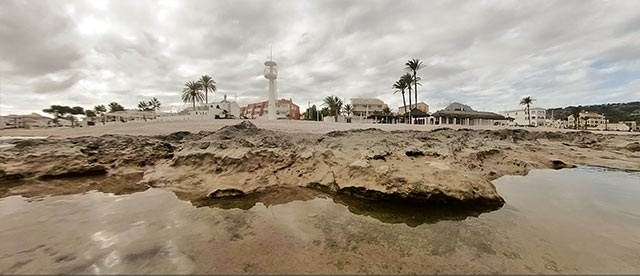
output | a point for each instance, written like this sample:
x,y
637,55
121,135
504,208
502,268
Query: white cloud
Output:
x,y
487,54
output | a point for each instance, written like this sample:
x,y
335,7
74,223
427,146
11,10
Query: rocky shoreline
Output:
x,y
443,167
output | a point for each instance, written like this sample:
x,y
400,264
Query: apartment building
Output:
x,y
521,118
588,120
363,107
286,109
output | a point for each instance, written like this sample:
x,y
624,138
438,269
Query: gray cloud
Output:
x,y
485,53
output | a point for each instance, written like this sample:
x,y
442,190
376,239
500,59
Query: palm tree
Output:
x,y
192,92
575,112
207,84
143,106
400,86
335,105
408,80
348,108
154,103
414,65
527,101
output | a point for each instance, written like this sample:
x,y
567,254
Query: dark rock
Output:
x,y
87,170
633,147
557,165
414,153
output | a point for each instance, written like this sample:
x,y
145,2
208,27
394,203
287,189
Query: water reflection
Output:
x,y
406,212
575,221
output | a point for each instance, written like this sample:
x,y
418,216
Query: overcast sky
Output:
x,y
487,54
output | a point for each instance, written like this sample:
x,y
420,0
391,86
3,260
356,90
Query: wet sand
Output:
x,y
584,220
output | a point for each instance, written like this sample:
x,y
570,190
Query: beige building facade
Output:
x,y
363,107
588,120
420,106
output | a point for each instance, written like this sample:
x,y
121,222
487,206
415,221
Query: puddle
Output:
x,y
584,220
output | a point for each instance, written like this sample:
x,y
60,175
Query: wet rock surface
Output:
x,y
442,167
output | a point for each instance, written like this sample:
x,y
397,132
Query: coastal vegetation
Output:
x,y
207,83
335,106
192,93
413,65
63,111
348,108
152,105
400,86
527,101
408,79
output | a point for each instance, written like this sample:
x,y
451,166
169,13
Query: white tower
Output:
x,y
271,73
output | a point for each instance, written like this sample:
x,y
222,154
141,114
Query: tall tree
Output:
x,y
400,86
408,80
192,92
155,104
414,65
115,107
207,84
575,112
527,101
334,104
57,111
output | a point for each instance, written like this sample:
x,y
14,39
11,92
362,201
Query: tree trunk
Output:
x,y
194,103
404,103
409,104
206,95
529,113
415,84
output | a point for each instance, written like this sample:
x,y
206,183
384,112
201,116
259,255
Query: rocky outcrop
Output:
x,y
443,167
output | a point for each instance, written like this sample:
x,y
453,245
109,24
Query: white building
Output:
x,y
521,118
214,110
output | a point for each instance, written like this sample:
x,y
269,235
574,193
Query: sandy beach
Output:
x,y
163,128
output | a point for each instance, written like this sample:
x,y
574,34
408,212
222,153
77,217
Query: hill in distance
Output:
x,y
615,112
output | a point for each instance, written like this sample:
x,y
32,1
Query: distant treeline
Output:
x,y
615,112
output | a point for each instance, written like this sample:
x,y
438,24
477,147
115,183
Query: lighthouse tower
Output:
x,y
271,73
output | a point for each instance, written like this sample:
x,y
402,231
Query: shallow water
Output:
x,y
584,220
